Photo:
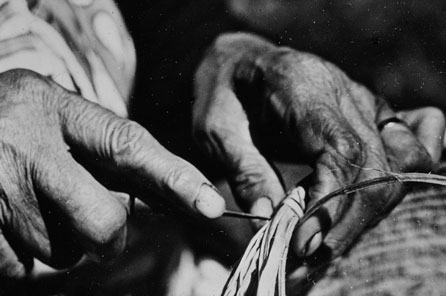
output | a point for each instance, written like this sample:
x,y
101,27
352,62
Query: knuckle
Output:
x,y
248,176
23,80
284,61
126,141
16,75
303,76
249,173
211,125
246,189
285,57
178,175
288,63
246,160
350,148
26,86
215,136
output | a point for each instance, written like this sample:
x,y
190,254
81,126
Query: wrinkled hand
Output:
x,y
51,207
255,100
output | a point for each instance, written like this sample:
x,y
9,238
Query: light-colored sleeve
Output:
x,y
81,44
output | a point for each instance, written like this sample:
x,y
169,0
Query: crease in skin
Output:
x,y
370,169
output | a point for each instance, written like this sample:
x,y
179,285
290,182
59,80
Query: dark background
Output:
x,y
396,48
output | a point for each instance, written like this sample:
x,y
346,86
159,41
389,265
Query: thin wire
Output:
x,y
391,178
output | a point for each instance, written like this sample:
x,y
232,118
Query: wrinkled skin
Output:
x,y
256,101
51,207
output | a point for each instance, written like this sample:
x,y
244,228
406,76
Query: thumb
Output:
x,y
254,183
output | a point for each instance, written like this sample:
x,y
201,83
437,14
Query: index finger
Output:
x,y
130,149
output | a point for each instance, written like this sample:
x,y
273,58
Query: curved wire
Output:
x,y
391,178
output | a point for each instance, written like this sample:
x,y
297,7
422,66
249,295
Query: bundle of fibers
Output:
x,y
261,271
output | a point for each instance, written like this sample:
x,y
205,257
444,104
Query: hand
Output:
x,y
255,101
51,207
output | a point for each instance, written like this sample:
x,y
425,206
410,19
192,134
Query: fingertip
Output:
x,y
209,202
306,247
307,238
298,194
313,244
301,192
262,207
109,235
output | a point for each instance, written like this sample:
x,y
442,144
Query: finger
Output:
x,y
221,128
428,125
351,152
11,269
341,154
42,234
404,151
29,223
95,216
310,234
254,183
129,149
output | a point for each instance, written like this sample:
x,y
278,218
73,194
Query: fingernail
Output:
x,y
298,194
209,202
301,192
312,244
262,207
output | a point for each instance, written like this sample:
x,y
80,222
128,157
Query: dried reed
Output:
x,y
261,270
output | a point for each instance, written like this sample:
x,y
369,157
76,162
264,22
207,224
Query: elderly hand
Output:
x,y
51,207
256,101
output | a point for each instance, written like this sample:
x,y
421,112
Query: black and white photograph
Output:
x,y
222,148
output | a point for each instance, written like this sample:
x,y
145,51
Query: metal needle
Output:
x,y
243,215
